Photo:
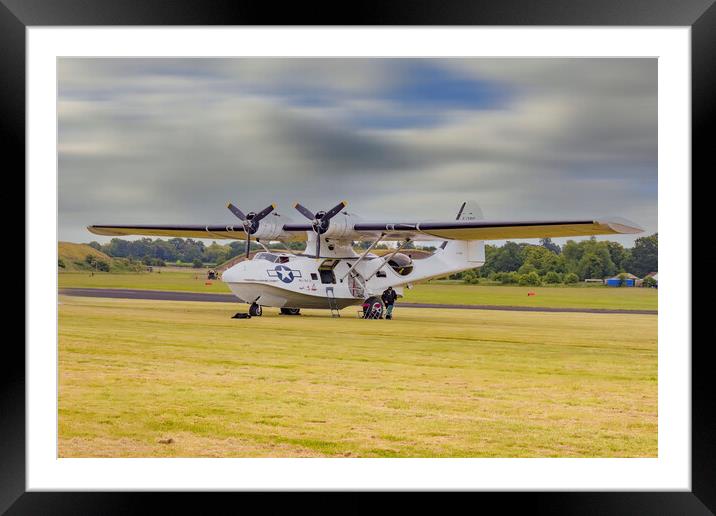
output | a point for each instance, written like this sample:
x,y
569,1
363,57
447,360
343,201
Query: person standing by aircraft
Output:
x,y
389,296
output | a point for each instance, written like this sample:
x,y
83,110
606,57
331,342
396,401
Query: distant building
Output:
x,y
629,281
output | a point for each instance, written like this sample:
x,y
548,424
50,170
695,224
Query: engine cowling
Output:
x,y
340,228
271,228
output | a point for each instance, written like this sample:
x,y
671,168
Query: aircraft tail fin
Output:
x,y
469,210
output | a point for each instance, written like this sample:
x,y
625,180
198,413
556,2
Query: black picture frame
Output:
x,y
700,15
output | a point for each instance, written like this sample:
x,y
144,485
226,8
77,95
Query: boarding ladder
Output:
x,y
330,295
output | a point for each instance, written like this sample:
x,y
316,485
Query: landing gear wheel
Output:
x,y
255,310
290,311
373,308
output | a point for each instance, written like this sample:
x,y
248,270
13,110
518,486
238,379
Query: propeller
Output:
x,y
320,220
250,221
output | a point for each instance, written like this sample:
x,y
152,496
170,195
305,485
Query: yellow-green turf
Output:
x,y
192,281
175,379
546,296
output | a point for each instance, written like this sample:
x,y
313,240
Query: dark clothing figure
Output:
x,y
389,296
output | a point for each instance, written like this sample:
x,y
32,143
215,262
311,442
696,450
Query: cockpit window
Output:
x,y
273,258
266,256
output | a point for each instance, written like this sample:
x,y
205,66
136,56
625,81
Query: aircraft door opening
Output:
x,y
326,271
327,275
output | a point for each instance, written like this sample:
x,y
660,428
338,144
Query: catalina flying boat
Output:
x,y
330,274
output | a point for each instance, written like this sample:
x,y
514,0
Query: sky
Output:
x,y
171,141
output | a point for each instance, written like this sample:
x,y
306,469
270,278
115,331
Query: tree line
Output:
x,y
508,263
189,251
530,264
175,250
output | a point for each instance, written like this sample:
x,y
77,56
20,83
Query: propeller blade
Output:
x,y
260,215
248,244
233,209
320,220
304,211
335,210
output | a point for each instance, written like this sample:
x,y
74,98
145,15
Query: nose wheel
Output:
x,y
255,310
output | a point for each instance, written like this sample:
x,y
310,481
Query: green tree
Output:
x,y
644,256
507,258
531,279
197,263
508,278
216,253
117,248
164,250
552,277
542,259
571,254
591,266
96,263
471,277
571,278
550,246
622,279
526,269
618,254
588,259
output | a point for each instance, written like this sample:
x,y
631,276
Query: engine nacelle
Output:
x,y
271,228
340,227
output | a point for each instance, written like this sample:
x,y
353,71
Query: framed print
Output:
x,y
572,386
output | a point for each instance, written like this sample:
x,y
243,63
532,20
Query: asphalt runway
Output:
x,y
161,295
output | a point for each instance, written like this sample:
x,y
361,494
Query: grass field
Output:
x,y
545,296
560,297
193,281
439,383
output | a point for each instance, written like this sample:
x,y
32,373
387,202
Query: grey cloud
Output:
x,y
170,141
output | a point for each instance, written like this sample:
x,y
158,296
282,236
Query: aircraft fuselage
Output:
x,y
299,281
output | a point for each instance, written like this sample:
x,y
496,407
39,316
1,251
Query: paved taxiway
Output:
x,y
161,295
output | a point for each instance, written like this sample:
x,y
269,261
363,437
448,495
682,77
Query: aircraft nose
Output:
x,y
233,273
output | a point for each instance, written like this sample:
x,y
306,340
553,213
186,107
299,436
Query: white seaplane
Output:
x,y
330,274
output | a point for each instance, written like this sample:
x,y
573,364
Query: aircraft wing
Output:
x,y
448,230
187,231
496,230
